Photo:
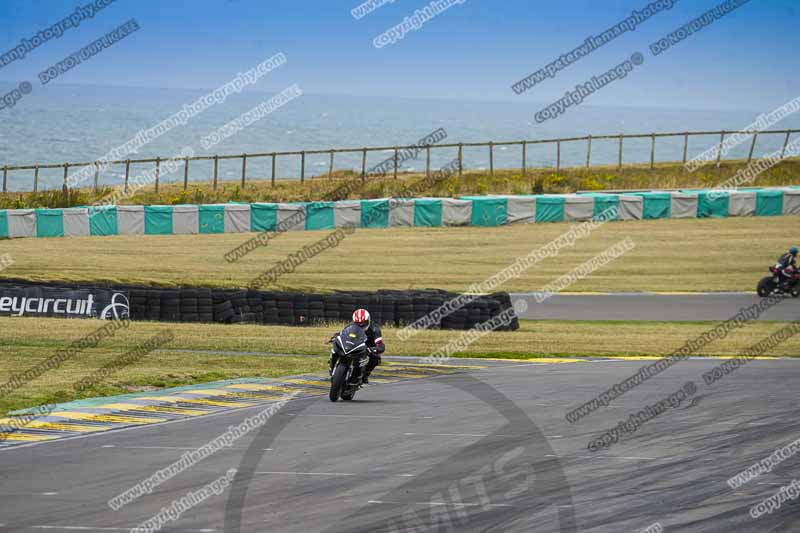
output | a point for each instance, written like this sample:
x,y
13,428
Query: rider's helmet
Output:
x,y
361,317
793,250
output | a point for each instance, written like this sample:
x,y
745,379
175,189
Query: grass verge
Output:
x,y
670,255
504,181
28,341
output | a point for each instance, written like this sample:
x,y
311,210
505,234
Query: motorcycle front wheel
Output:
x,y
337,382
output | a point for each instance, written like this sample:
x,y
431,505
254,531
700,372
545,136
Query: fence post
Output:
x,y
653,151
363,164
65,188
216,170
785,143
685,145
127,173
394,172
752,147
428,161
719,150
158,172
588,151
330,167
36,179
244,170
460,159
491,158
619,165
5,178
524,158
303,166
96,175
185,173
558,156
273,169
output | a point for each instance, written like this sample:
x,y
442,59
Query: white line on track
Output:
x,y
337,474
173,447
93,528
457,435
432,504
355,416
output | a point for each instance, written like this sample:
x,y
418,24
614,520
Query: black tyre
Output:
x,y
765,286
337,382
348,395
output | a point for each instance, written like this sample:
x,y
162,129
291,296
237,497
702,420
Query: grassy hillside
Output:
x,y
547,180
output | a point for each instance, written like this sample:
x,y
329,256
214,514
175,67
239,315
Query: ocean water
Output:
x,y
81,123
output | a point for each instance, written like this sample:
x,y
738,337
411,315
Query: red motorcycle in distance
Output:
x,y
772,284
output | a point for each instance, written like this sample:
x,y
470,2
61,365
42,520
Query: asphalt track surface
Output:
x,y
650,306
486,450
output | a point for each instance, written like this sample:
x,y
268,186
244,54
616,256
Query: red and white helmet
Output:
x,y
361,317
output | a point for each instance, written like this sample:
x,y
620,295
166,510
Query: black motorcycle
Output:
x,y
349,356
772,284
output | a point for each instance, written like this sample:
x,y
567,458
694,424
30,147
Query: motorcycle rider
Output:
x,y
787,265
374,340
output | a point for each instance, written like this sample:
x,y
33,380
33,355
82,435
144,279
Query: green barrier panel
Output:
x,y
211,218
550,208
158,220
488,211
716,207
427,212
602,202
103,221
49,223
374,213
769,203
3,224
263,217
655,204
319,215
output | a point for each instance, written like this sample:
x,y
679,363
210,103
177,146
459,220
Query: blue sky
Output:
x,y
474,51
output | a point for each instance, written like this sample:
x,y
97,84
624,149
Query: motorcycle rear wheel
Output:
x,y
765,286
337,382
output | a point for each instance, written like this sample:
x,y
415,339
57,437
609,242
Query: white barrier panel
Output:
x,y
521,210
401,213
347,213
237,218
741,203
76,222
21,223
456,212
185,219
291,211
130,219
578,208
631,207
791,201
683,205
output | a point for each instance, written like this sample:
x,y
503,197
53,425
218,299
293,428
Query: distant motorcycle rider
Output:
x,y
787,266
375,346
